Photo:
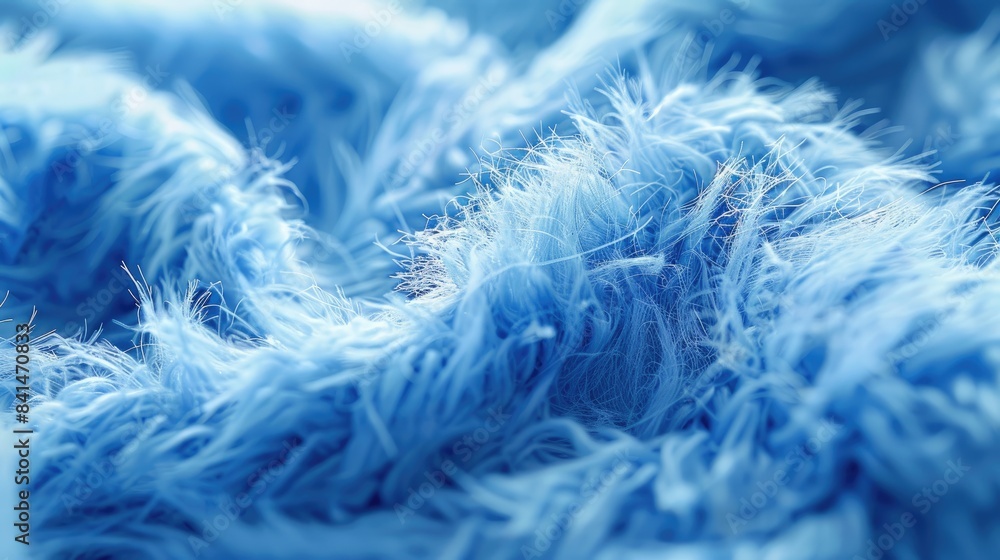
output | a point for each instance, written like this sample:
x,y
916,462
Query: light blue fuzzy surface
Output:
x,y
491,280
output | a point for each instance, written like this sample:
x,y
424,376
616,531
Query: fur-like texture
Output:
x,y
604,292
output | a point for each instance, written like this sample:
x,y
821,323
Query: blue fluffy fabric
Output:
x,y
549,279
